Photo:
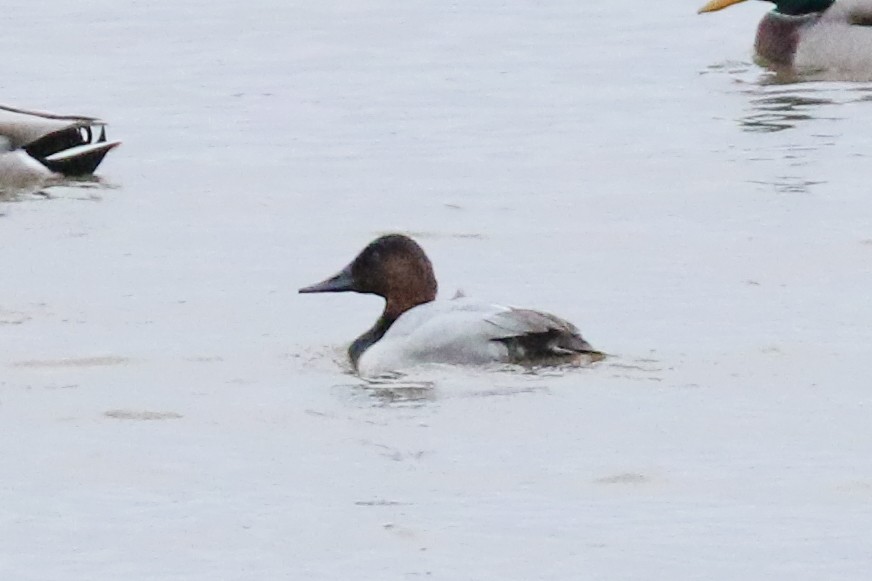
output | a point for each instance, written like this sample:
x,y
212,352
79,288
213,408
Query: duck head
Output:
x,y
394,267
788,7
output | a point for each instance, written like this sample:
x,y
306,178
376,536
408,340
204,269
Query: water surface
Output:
x,y
172,409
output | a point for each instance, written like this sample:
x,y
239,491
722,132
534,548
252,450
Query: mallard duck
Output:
x,y
66,144
812,36
20,173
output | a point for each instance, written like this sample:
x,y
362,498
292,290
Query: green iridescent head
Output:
x,y
788,7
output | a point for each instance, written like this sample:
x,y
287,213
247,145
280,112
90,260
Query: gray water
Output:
x,y
172,409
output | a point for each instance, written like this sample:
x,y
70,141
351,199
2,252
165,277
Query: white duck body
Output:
x,y
21,174
835,46
461,331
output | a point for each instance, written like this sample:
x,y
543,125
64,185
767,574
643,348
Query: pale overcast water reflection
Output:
x,y
172,409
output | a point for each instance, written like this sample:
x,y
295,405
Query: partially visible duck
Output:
x,y
415,328
814,36
20,173
67,144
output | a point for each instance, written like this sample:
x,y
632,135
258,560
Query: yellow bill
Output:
x,y
716,5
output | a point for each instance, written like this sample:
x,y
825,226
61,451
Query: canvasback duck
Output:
x,y
415,328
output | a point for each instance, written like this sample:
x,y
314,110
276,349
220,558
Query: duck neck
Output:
x,y
369,338
778,37
393,309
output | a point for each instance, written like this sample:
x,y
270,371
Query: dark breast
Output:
x,y
778,36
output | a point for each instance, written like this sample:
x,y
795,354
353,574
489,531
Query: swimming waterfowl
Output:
x,y
416,328
20,173
66,144
833,36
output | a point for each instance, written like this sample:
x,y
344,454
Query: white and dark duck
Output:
x,y
38,149
833,37
415,328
